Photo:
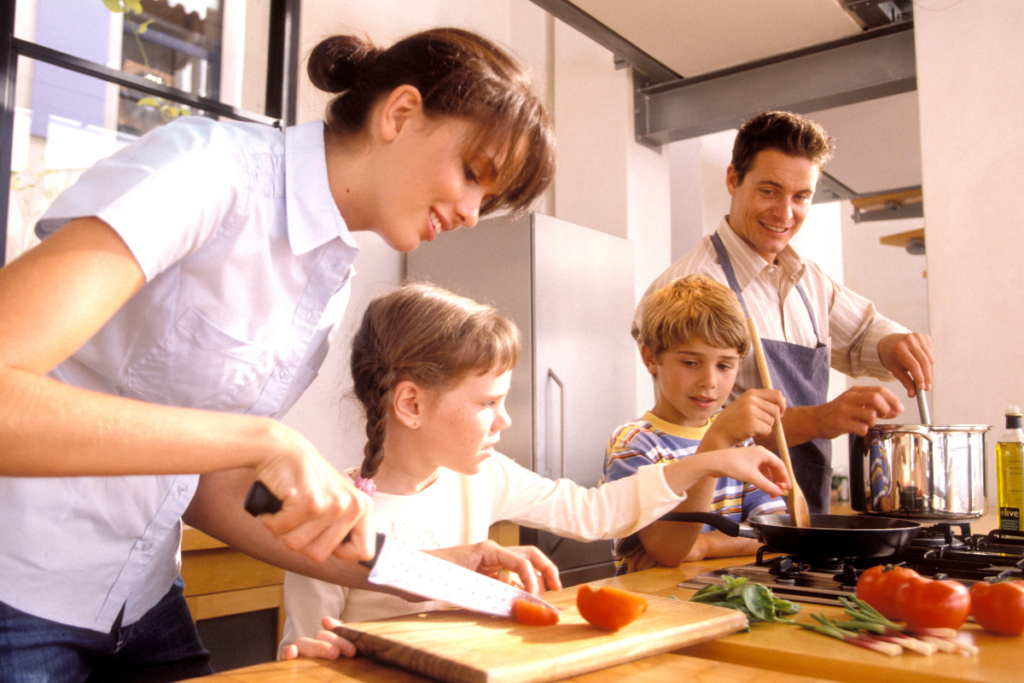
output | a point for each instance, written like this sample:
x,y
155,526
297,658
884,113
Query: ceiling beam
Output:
x,y
875,64
570,14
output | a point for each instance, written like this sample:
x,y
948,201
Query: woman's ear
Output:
x,y
403,104
408,403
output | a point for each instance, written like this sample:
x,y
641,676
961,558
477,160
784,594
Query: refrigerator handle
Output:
x,y
561,417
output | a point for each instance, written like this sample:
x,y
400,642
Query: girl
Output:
x,y
432,370
182,299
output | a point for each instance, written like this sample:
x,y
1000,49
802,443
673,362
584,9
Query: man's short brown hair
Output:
x,y
787,132
693,307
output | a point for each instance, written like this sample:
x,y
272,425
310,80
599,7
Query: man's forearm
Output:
x,y
800,425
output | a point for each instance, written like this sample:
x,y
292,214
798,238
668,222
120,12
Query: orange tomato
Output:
x,y
931,603
532,614
879,585
999,607
609,608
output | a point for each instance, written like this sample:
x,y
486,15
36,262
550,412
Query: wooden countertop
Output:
x,y
769,653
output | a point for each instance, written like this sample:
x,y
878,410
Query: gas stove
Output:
x,y
943,550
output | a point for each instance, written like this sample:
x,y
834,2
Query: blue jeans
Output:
x,y
163,646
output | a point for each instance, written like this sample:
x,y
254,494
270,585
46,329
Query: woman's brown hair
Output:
x,y
427,335
458,74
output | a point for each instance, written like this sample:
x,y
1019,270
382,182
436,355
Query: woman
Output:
x,y
182,299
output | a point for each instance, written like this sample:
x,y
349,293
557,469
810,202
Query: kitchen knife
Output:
x,y
412,571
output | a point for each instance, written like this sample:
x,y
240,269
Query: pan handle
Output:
x,y
720,522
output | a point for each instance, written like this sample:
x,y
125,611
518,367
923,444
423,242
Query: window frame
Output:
x,y
279,110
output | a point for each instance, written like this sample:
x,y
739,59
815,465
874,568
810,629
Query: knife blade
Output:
x,y
398,566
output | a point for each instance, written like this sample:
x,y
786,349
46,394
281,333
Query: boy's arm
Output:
x,y
669,543
716,544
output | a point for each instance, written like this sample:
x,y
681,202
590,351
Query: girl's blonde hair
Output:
x,y
427,335
693,307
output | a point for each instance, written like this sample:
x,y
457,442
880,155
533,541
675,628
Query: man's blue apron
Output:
x,y
801,374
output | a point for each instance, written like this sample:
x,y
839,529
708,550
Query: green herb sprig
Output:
x,y
753,599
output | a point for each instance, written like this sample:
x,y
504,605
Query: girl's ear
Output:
x,y
650,362
403,104
408,403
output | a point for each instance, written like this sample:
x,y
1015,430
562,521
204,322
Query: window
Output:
x,y
89,76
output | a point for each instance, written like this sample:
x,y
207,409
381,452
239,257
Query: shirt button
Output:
x,y
283,374
147,546
182,489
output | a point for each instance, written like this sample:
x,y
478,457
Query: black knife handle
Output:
x,y
260,500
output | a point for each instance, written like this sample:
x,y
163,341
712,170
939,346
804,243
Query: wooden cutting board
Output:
x,y
458,646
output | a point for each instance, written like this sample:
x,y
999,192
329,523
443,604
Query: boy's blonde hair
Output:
x,y
693,307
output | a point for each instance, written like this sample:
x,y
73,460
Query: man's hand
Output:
x,y
855,411
533,567
909,358
752,415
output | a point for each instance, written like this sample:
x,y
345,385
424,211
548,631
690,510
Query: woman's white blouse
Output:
x,y
247,263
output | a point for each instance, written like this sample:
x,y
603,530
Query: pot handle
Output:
x,y
720,522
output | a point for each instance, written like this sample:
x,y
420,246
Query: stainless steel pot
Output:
x,y
920,471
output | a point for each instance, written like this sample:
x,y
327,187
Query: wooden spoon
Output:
x,y
799,514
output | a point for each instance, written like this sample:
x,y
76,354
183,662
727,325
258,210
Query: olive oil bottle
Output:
x,y
1010,471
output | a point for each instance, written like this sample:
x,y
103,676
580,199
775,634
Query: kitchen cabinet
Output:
x,y
570,290
236,601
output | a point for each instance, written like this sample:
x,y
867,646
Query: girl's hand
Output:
x,y
752,464
751,416
322,512
326,645
535,570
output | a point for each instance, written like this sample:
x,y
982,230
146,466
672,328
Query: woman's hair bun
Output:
x,y
336,62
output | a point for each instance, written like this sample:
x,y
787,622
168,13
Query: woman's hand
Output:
x,y
326,644
535,570
322,512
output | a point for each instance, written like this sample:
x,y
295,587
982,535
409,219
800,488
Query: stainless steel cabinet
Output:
x,y
571,291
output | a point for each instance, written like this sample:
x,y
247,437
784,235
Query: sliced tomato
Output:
x,y
879,585
929,603
532,614
999,607
609,608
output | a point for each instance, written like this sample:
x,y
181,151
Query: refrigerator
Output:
x,y
570,289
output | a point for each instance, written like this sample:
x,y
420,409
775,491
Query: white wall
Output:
x,y
970,57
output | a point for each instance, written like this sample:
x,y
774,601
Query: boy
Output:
x,y
693,335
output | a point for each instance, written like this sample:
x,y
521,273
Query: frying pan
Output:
x,y
828,536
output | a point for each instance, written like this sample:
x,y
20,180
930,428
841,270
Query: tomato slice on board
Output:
x,y
532,614
609,608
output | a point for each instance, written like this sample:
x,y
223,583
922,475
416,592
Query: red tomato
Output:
x,y
878,587
999,607
534,615
928,603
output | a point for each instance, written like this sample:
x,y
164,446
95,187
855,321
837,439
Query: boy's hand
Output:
x,y
751,416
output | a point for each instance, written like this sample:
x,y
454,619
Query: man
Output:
x,y
807,321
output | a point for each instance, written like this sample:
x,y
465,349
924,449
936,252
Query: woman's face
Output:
x,y
430,182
